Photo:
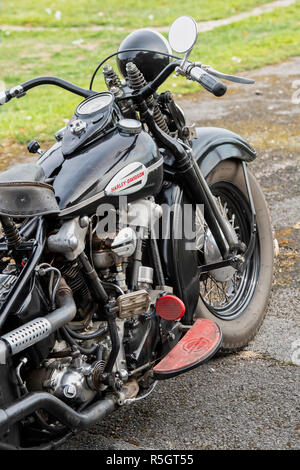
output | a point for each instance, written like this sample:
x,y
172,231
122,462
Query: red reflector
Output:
x,y
170,307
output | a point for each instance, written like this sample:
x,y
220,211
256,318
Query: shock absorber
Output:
x,y
114,85
136,81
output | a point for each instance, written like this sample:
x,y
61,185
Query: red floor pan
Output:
x,y
200,343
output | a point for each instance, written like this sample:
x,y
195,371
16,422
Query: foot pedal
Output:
x,y
200,343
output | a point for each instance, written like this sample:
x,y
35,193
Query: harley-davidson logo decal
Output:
x,y
130,179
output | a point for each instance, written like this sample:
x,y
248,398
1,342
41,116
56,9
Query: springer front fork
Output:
x,y
234,253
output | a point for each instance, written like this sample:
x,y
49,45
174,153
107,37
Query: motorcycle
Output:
x,y
104,290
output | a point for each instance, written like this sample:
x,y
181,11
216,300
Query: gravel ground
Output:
x,y
249,400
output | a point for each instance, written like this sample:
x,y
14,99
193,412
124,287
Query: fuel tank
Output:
x,y
115,164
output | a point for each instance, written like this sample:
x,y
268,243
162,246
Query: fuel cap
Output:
x,y
130,126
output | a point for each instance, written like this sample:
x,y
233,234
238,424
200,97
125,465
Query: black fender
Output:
x,y
214,144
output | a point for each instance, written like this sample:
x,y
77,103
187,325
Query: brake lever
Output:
x,y
231,78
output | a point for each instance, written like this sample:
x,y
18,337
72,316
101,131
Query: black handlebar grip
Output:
x,y
210,83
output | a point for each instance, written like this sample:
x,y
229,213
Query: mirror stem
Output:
x,y
185,58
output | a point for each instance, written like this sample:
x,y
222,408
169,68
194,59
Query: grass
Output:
x,y
129,13
73,54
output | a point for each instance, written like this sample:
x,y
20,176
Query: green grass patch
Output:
x,y
241,46
30,54
129,13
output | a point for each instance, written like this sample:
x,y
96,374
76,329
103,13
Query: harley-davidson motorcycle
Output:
x,y
103,289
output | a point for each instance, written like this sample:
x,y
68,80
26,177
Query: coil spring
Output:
x,y
111,77
160,120
11,232
97,373
135,77
74,278
136,81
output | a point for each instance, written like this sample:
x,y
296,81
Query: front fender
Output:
x,y
214,144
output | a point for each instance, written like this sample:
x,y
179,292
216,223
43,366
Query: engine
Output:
x,y
75,369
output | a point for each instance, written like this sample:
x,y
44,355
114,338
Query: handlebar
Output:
x,y
210,83
191,71
20,90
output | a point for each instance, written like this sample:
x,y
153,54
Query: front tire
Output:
x,y
241,318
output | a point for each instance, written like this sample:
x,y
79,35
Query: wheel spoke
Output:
x,y
216,293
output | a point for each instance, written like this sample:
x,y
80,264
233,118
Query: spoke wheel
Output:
x,y
237,302
228,298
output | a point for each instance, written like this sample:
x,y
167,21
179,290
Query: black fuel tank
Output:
x,y
118,163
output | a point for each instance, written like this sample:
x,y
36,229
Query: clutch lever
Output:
x,y
231,78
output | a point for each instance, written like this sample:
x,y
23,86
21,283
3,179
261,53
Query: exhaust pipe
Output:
x,y
57,408
27,335
66,415
34,331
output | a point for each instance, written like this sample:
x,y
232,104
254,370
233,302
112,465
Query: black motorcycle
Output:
x,y
112,275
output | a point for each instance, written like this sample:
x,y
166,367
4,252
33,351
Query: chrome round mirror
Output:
x,y
183,34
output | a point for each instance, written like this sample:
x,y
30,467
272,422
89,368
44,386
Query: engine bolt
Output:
x,y
70,391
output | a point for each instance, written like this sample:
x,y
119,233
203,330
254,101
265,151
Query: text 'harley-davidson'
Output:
x,y
131,251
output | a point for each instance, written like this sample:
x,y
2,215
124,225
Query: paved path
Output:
x,y
267,8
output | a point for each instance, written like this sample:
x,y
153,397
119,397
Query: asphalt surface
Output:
x,y
248,400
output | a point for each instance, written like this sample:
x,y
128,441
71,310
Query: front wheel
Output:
x,y
237,302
